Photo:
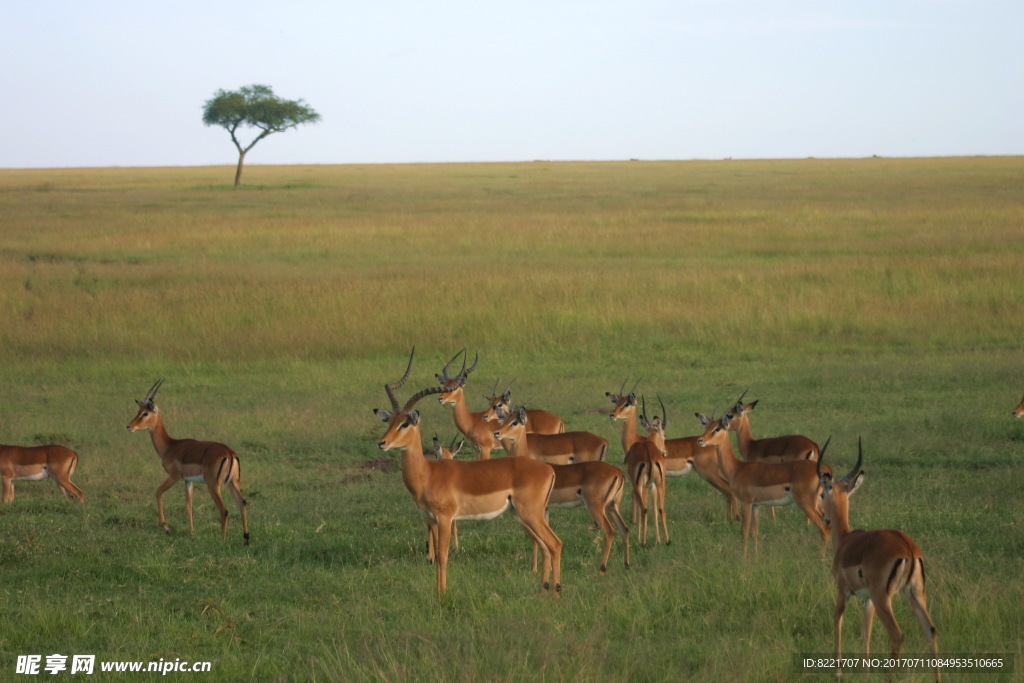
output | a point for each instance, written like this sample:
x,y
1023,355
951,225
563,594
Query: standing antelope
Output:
x,y
1019,410
448,490
565,448
540,421
874,565
598,485
35,463
772,449
193,461
444,453
759,484
681,454
645,467
479,434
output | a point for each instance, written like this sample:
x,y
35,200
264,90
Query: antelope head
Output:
x,y
403,423
146,418
451,387
623,401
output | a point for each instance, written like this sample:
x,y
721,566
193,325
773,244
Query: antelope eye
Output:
x,y
144,413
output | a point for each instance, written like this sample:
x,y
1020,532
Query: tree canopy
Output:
x,y
254,106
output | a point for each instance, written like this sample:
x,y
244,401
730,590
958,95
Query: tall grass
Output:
x,y
875,297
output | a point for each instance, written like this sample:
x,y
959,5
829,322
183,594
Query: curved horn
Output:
x,y
622,389
494,389
444,372
664,413
821,455
739,401
860,461
643,413
418,395
464,372
390,388
633,390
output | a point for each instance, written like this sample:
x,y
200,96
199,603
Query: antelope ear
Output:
x,y
384,415
458,448
704,419
725,420
856,483
506,396
150,405
632,399
614,397
751,406
440,379
414,417
141,404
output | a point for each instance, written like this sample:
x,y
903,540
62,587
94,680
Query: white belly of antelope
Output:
x,y
493,514
38,476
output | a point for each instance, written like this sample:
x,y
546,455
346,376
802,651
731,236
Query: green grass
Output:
x,y
879,298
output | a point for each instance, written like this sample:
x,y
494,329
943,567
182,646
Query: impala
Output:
x,y
758,484
35,463
645,467
194,461
540,421
772,449
1019,410
556,449
479,434
598,485
449,490
681,454
444,453
874,565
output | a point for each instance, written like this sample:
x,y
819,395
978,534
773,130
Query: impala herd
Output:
x,y
549,467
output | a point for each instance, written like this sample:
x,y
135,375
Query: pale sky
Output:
x,y
123,83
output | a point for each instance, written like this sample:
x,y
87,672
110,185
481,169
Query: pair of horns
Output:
x,y
856,468
664,413
464,372
151,394
622,389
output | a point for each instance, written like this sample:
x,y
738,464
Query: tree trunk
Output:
x,y
238,171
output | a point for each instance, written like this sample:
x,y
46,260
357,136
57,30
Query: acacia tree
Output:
x,y
258,107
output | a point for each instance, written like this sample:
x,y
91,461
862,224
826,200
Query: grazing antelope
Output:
x,y
35,463
1019,410
598,485
645,467
874,565
681,454
758,484
479,434
449,490
772,449
194,461
540,421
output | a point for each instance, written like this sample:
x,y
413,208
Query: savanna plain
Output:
x,y
873,298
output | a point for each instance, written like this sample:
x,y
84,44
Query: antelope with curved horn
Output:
x,y
35,463
874,565
449,490
1019,410
540,421
758,484
771,449
478,433
682,454
645,467
598,485
193,461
